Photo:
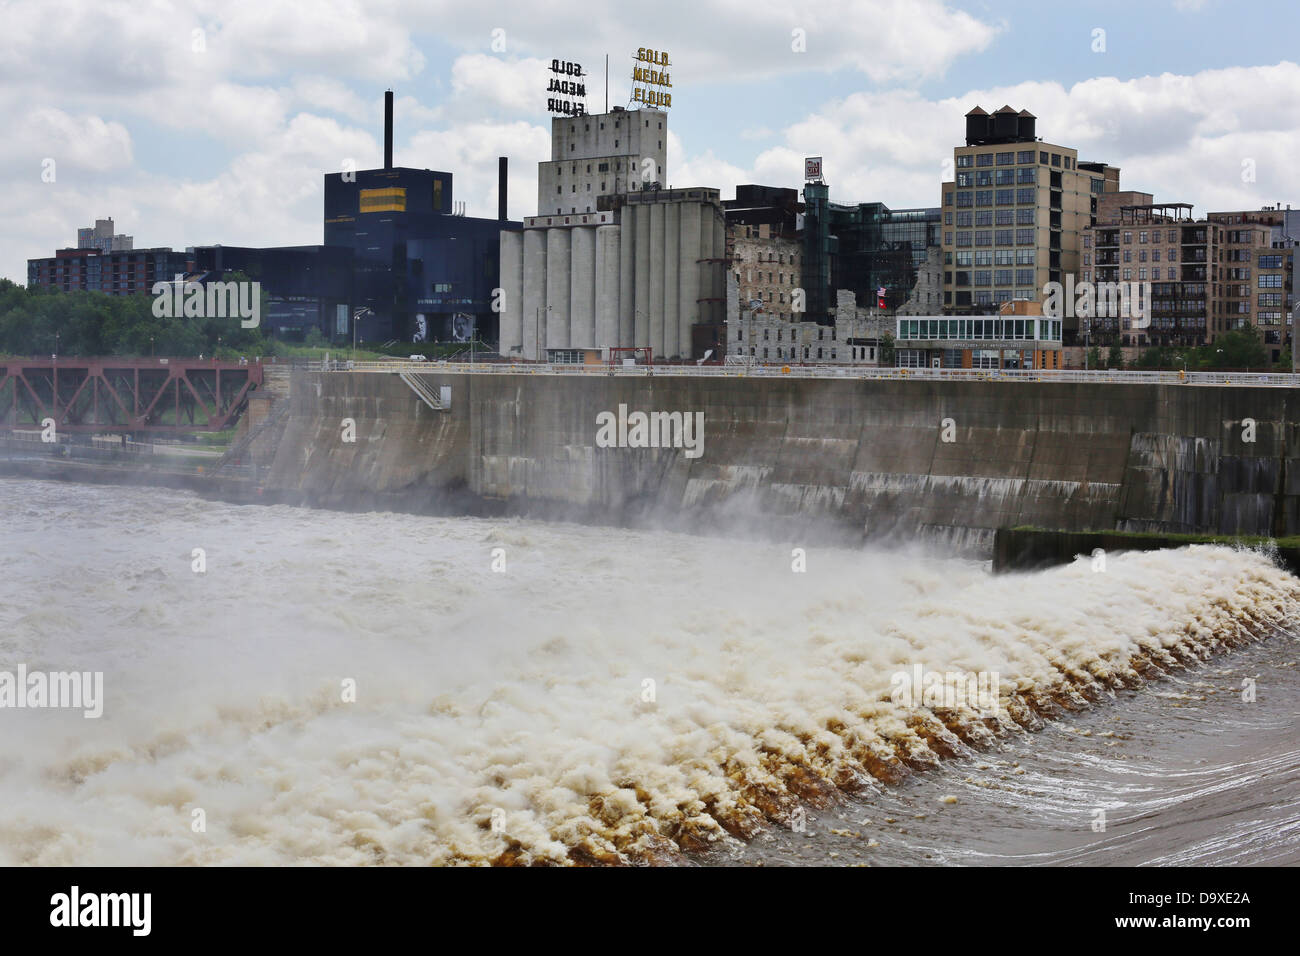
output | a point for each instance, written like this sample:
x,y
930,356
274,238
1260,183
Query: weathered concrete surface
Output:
x,y
851,458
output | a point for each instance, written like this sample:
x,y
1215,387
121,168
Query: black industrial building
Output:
x,y
307,287
399,261
419,266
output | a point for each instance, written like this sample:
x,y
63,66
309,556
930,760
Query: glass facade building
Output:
x,y
862,247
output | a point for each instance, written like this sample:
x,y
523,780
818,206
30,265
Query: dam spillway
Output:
x,y
845,458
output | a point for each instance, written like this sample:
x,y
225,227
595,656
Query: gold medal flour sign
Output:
x,y
651,82
566,80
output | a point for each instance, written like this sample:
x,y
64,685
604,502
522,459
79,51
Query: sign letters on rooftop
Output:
x,y
651,82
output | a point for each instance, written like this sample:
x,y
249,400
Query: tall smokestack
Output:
x,y
388,129
501,188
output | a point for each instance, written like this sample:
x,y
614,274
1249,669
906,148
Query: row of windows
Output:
x,y
792,354
1172,273
1128,256
1018,157
586,127
999,237
1109,237
1001,197
1000,217
994,327
1001,177
999,257
1019,277
750,277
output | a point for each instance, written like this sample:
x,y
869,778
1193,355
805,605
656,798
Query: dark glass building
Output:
x,y
306,286
413,255
417,262
862,247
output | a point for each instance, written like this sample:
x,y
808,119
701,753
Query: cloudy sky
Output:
x,y
194,122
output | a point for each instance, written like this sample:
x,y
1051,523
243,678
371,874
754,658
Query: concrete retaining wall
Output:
x,y
848,458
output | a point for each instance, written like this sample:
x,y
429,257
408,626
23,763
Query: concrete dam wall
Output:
x,y
844,458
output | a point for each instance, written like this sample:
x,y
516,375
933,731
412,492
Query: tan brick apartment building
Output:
x,y
1015,214
1208,276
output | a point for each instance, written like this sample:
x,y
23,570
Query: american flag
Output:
x,y
880,297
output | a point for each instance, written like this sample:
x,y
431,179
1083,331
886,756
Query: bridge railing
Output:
x,y
868,373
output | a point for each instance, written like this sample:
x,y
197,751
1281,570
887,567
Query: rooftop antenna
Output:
x,y
606,82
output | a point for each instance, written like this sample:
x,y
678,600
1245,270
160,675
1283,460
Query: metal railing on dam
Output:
x,y
869,373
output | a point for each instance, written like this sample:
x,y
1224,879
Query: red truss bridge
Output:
x,y
159,395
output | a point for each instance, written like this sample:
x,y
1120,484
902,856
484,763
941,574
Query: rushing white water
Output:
x,y
519,696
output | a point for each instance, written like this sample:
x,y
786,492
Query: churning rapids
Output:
x,y
534,693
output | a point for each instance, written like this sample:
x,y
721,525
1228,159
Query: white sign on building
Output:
x,y
812,169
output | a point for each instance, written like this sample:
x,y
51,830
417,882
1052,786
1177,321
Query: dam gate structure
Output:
x,y
847,459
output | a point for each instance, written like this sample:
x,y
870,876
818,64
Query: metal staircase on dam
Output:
x,y
439,401
237,451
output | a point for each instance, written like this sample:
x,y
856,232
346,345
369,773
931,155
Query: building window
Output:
x,y
984,159
965,161
1006,159
1025,156
1056,159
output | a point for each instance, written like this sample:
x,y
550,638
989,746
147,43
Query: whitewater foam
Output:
x,y
614,696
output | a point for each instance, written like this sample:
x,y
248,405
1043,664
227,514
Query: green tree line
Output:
x,y
1241,348
45,322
